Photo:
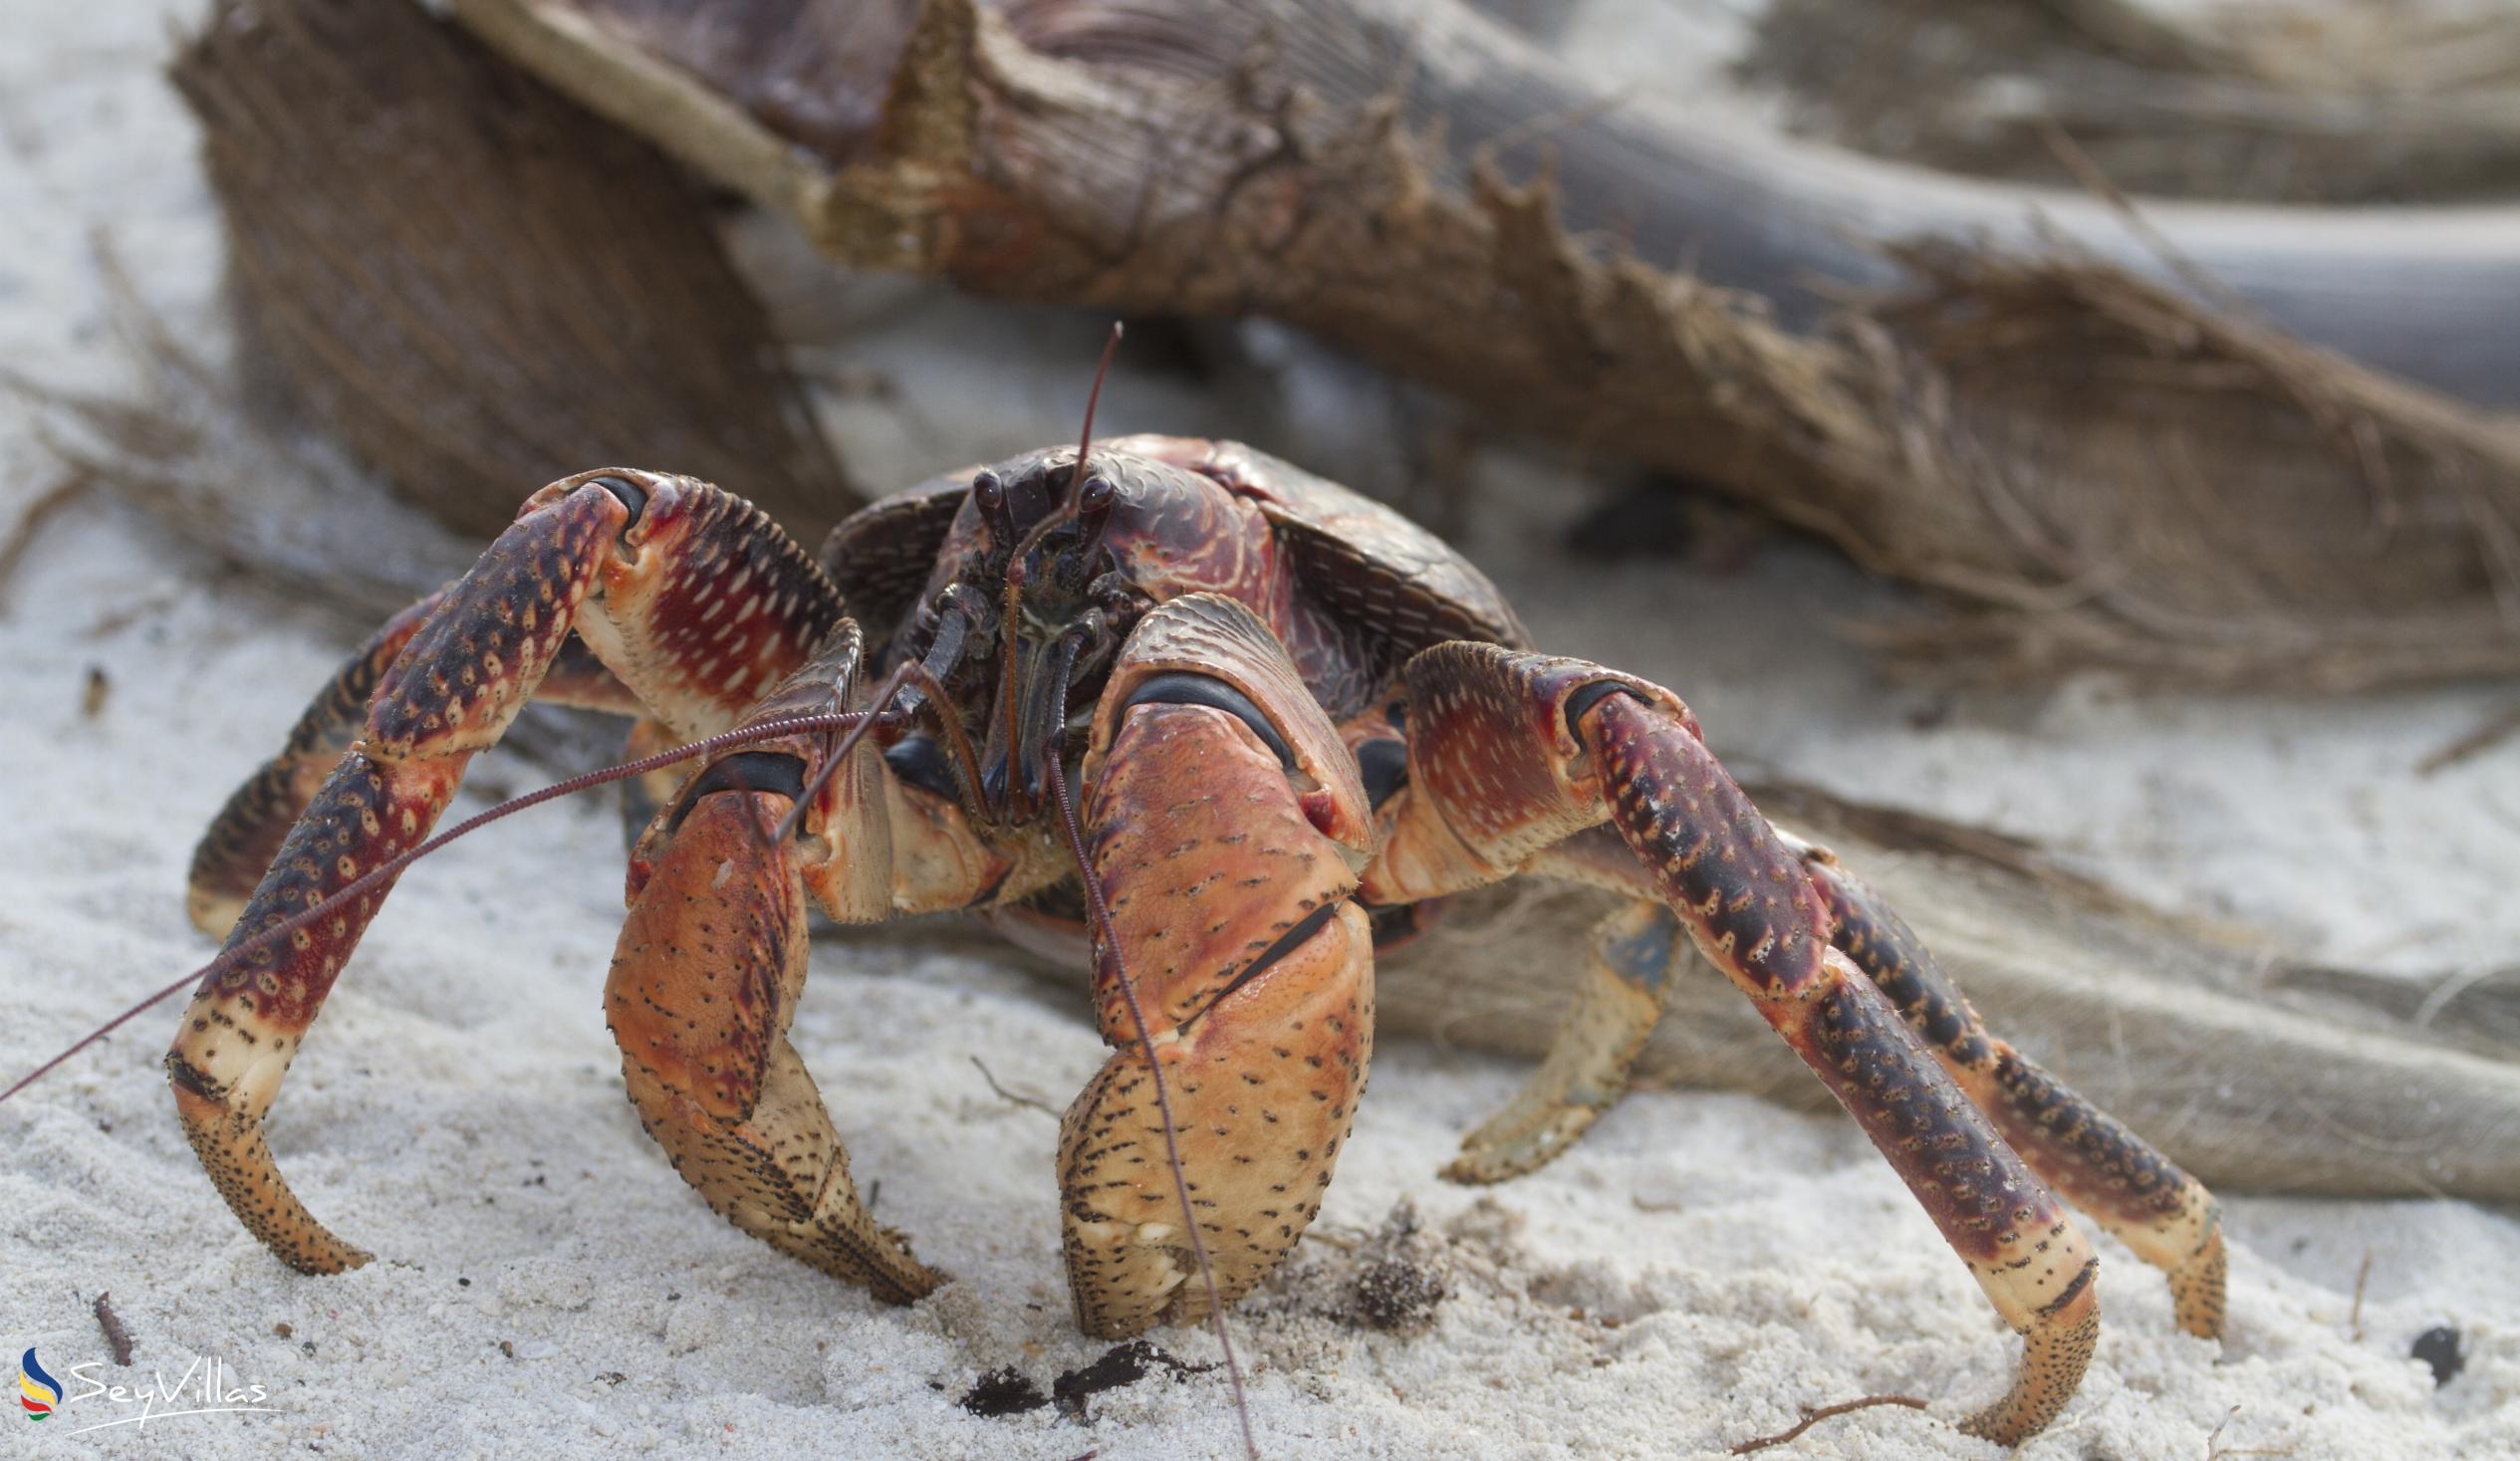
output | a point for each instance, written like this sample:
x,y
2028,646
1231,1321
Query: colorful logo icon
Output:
x,y
38,1391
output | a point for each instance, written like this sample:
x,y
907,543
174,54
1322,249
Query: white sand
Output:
x,y
1700,1267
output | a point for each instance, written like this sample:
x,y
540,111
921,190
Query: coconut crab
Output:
x,y
1217,720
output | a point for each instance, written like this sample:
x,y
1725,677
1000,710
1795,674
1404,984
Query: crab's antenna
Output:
x,y
855,720
1085,442
885,694
942,653
1146,1046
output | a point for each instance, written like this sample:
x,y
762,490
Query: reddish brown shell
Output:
x,y
1396,587
881,556
1399,586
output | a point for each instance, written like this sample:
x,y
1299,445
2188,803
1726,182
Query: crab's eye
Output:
x,y
988,493
1096,495
630,494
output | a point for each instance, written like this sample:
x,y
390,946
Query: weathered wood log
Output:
x,y
473,283
2095,467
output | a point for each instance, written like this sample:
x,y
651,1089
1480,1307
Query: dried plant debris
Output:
x,y
2094,468
472,283
2355,103
284,512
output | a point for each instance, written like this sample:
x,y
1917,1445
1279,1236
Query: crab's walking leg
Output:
x,y
2164,1214
707,973
1225,823
229,861
1510,753
638,565
1626,982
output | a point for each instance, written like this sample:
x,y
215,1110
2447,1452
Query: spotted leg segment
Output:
x,y
1510,753
1225,823
641,566
2164,1214
707,973
229,861
1619,997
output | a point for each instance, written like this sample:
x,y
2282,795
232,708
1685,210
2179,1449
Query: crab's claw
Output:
x,y
1225,825
709,966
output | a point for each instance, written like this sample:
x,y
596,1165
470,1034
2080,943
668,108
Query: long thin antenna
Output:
x,y
885,694
854,721
1111,346
1163,1095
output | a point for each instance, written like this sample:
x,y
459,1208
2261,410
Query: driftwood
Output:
x,y
2278,101
472,283
2098,469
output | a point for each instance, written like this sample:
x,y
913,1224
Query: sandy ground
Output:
x,y
1702,1266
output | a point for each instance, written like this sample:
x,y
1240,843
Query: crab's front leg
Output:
x,y
689,595
1225,823
1511,753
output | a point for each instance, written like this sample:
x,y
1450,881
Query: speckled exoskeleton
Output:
x,y
1291,721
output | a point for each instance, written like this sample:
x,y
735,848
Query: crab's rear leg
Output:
x,y
1619,997
638,565
707,972
1225,823
1510,753
2164,1214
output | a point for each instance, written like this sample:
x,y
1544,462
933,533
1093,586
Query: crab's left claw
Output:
x,y
1225,824
709,966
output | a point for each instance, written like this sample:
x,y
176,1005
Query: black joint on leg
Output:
x,y
919,761
1585,699
180,1072
1181,687
777,772
1383,767
630,494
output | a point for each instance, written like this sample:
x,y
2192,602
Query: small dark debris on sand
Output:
x,y
1009,1391
1404,1273
1120,1365
116,1338
1005,1392
2439,1348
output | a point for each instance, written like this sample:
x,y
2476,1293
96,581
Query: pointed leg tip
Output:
x,y
2054,1352
2198,1288
332,1256
214,913
1486,1161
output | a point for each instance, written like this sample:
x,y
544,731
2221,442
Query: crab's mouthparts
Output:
x,y
1029,735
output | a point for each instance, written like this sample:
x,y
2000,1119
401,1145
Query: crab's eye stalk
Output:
x,y
628,493
988,493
